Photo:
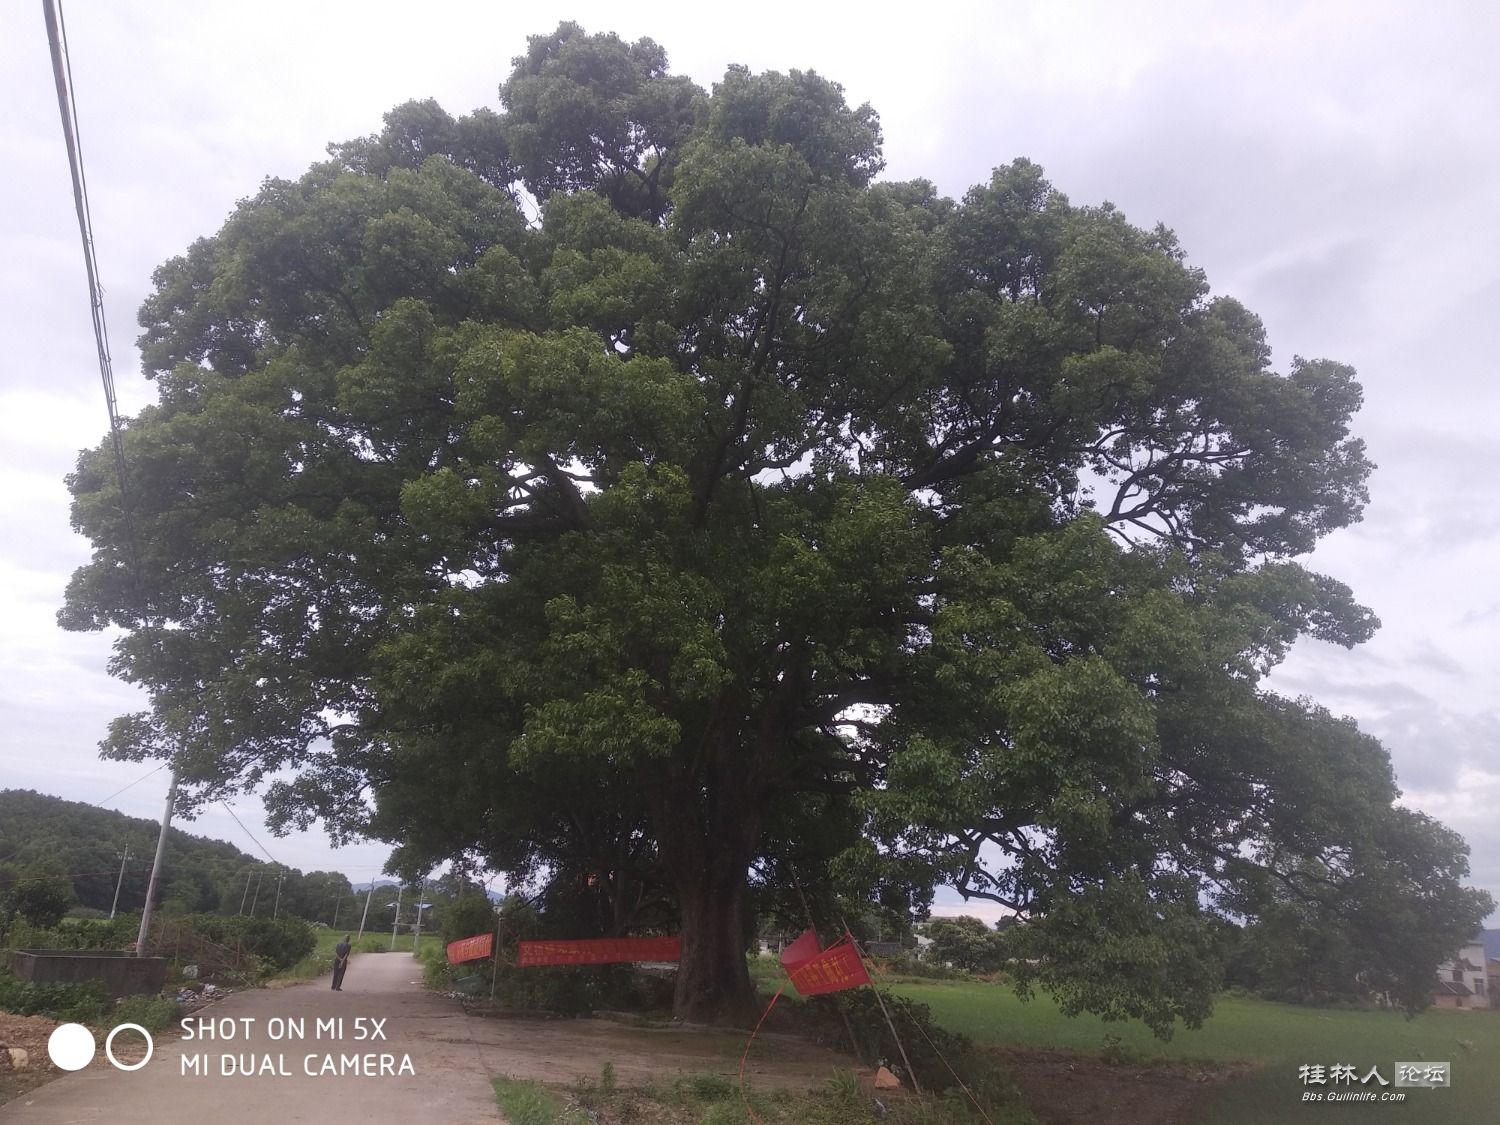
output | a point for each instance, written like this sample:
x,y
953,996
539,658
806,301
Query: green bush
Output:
x,y
468,916
931,1049
74,1003
909,965
437,973
79,933
576,991
279,942
151,1012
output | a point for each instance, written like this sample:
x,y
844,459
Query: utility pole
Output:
x,y
366,914
275,910
416,940
397,921
336,901
246,895
123,860
161,849
259,875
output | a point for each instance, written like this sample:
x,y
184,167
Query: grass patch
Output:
x,y
527,1103
1280,1037
713,1099
1240,1028
151,1012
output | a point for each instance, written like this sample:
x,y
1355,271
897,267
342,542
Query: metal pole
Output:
x,y
495,961
161,849
900,1046
259,875
246,895
337,900
838,1001
280,875
123,860
416,939
397,921
366,914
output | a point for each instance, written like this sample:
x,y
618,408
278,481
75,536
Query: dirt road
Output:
x,y
399,1054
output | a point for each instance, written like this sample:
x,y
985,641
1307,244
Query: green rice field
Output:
x,y
1280,1037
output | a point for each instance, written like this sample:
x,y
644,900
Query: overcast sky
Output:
x,y
1336,166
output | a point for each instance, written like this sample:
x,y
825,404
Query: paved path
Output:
x,y
446,1081
450,1083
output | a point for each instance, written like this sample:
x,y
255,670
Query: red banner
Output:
x,y
837,968
470,948
598,951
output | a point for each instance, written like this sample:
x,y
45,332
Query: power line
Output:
x,y
137,781
62,73
247,832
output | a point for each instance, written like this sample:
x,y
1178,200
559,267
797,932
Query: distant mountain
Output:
x,y
86,844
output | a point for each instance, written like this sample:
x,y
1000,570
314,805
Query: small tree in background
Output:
x,y
39,894
965,943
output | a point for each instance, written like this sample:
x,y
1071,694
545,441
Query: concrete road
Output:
x,y
381,1050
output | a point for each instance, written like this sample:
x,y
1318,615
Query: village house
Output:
x,y
1463,980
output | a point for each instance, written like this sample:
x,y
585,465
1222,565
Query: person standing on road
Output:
x,y
341,953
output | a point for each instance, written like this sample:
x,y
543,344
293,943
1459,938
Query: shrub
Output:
x,y
931,1049
470,914
151,1012
908,965
79,933
576,991
75,1003
279,942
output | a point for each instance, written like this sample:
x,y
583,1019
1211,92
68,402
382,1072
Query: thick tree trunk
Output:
x,y
706,852
708,821
713,979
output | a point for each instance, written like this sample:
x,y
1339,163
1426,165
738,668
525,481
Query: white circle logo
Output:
x,y
109,1043
71,1046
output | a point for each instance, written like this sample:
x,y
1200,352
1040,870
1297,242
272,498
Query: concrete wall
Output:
x,y
121,973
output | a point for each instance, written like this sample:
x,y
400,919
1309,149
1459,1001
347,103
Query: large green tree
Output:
x,y
743,513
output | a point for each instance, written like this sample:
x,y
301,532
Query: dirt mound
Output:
x,y
1061,1087
30,1033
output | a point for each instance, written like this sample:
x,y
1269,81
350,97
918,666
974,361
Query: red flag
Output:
x,y
805,948
834,970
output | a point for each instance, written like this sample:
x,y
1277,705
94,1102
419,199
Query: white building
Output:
x,y
1462,980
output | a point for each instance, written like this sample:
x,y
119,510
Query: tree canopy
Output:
x,y
743,514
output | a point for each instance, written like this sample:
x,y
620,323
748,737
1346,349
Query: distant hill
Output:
x,y
199,874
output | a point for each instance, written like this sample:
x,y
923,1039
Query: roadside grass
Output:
x,y
713,1099
767,975
1280,1037
527,1103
